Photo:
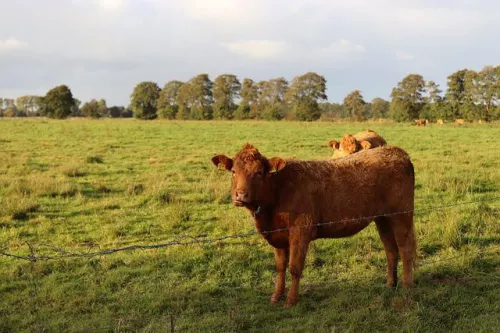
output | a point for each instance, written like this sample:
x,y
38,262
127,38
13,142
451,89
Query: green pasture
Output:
x,y
84,186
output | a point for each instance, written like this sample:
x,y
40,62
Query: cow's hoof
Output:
x,y
276,298
391,284
291,303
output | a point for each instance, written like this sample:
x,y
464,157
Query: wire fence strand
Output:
x,y
202,240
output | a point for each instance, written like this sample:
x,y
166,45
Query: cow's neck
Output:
x,y
263,217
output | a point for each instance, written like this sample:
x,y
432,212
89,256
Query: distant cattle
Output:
x,y
421,122
460,121
350,144
440,122
295,202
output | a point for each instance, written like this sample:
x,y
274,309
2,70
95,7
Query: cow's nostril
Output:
x,y
241,196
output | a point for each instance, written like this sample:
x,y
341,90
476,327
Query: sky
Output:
x,y
103,48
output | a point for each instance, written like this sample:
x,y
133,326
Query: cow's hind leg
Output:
x,y
281,259
391,249
405,238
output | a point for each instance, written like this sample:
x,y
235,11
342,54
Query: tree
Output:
x,y
144,100
271,98
379,108
304,94
182,100
29,104
407,98
488,90
248,94
8,102
355,105
226,88
10,111
116,111
433,108
167,103
94,109
75,109
103,108
200,97
57,103
460,94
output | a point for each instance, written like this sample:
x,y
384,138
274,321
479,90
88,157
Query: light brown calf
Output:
x,y
350,144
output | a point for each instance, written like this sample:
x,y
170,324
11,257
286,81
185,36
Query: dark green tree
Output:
x,y
57,103
144,100
379,108
226,88
94,109
248,94
303,96
407,98
355,105
271,98
167,103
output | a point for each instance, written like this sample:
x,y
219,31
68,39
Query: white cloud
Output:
x,y
218,10
11,44
405,56
340,49
259,49
111,5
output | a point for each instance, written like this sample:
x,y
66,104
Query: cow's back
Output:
x,y
371,136
372,182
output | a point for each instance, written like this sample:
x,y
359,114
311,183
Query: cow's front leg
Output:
x,y
299,243
281,259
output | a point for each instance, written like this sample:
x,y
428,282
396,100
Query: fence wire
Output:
x,y
202,240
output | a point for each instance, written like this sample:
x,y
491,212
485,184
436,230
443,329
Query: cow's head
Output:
x,y
252,174
348,145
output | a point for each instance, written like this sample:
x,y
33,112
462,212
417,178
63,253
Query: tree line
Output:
x,y
469,95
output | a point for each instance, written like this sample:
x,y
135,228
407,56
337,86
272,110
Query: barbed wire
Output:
x,y
202,240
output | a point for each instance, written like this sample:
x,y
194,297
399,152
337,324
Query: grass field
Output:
x,y
87,185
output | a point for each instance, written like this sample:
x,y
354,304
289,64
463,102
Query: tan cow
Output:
x,y
350,144
460,121
295,202
440,122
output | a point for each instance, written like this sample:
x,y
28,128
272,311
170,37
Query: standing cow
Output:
x,y
421,122
350,144
295,202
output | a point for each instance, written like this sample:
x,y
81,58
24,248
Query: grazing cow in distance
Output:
x,y
460,121
294,202
421,122
350,144
440,122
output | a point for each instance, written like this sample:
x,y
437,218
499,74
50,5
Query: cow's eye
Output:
x,y
234,172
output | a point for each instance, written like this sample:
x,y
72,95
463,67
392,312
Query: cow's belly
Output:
x,y
341,229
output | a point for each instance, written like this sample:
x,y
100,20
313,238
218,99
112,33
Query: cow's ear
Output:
x,y
334,144
365,144
276,164
226,162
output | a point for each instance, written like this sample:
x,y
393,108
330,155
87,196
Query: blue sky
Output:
x,y
102,49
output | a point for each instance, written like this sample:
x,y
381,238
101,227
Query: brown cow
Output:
x,y
350,144
295,202
440,122
460,121
421,122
